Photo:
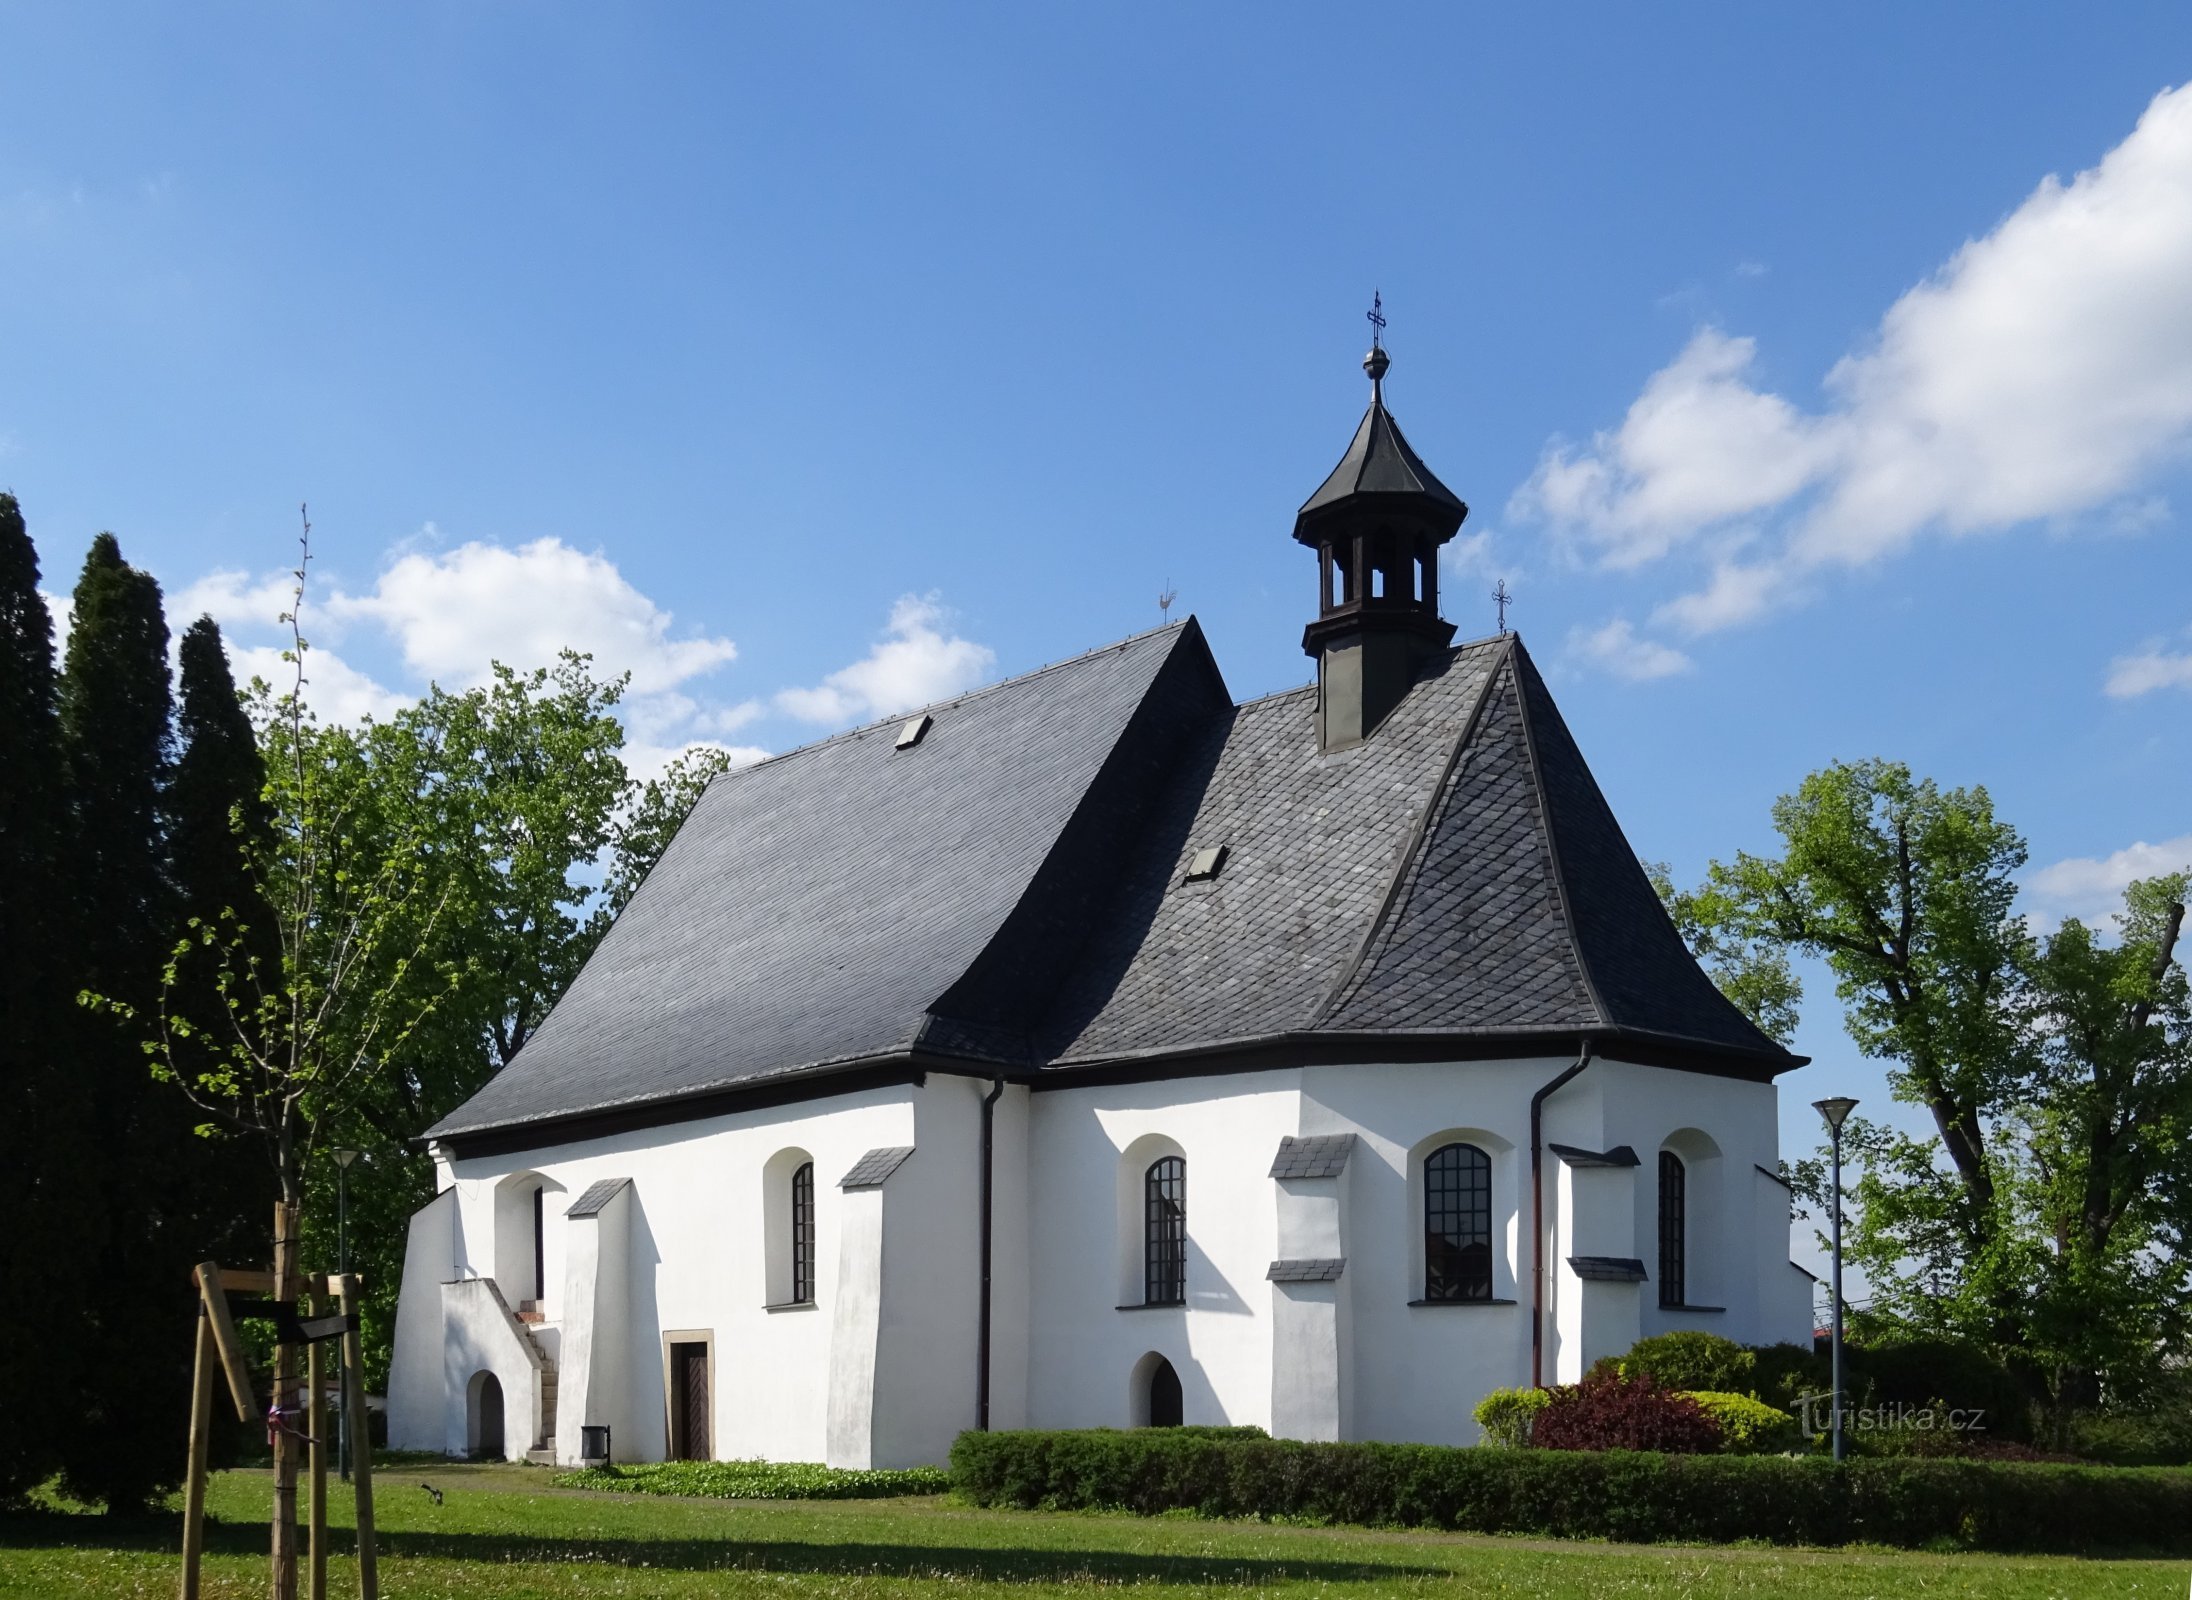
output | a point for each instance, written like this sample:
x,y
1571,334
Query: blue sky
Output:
x,y
810,360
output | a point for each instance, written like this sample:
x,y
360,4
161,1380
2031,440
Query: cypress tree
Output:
x,y
40,1136
218,822
116,708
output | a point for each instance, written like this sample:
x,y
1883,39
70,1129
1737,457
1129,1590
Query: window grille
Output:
x,y
1457,1224
1164,1236
1674,1207
803,1235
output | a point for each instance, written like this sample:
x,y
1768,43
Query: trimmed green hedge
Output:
x,y
756,1480
1614,1494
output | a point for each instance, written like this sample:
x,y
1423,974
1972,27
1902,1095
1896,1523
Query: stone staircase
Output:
x,y
543,1452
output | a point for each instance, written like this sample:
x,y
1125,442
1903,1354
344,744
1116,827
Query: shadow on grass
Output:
x,y
163,1535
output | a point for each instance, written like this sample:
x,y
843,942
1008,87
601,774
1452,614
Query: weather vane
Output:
x,y
1502,599
1164,601
1376,314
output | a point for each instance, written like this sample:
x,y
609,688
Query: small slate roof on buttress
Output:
x,y
1010,895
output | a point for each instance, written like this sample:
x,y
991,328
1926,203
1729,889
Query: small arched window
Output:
x,y
1164,1232
802,1241
1674,1221
1457,1224
1167,1406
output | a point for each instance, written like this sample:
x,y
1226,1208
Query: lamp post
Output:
x,y
343,1158
1836,1111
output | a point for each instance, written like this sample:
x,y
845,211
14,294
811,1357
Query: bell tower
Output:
x,y
1377,525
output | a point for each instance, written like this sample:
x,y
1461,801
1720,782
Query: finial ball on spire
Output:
x,y
1376,362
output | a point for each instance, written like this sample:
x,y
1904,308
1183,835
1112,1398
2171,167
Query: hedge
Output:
x,y
1623,1495
756,1480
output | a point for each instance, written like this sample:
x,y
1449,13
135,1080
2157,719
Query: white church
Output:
x,y
1094,1051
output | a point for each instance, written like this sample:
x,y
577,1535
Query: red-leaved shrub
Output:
x,y
1609,1412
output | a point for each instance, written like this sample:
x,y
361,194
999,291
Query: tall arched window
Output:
x,y
1674,1206
1457,1224
803,1235
1164,1232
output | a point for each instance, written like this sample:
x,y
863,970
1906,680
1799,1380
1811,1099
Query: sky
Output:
x,y
1820,378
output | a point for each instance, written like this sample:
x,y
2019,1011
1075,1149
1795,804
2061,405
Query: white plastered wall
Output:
x,y
696,1259
1083,1350
1063,1354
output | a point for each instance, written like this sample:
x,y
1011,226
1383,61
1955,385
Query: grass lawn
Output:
x,y
502,1531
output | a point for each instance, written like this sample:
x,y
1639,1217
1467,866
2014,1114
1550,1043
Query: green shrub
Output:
x,y
1687,1360
757,1480
1914,1373
1781,1373
1586,1494
1748,1426
2161,1439
1506,1415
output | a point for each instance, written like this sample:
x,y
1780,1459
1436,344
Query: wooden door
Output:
x,y
689,1411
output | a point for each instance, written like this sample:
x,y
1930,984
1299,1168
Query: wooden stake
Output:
x,y
194,1474
361,1439
284,1549
213,1296
315,1426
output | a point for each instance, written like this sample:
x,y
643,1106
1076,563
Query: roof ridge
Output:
x,y
959,699
1352,973
1565,905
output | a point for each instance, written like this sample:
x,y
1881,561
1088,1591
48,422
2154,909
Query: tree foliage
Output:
x,y
2045,1218
40,1133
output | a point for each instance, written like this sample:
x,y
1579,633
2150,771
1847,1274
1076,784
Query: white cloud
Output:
x,y
2091,888
453,613
1617,649
335,691
235,600
2148,670
2043,373
646,762
1735,593
916,662
1699,447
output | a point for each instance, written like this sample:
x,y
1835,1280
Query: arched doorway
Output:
x,y
486,1417
1165,1404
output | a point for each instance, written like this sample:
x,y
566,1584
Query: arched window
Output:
x,y
1674,1205
1164,1232
1166,1404
803,1235
1457,1224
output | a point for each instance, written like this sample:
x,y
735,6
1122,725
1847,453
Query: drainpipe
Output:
x,y
981,1337
1537,1215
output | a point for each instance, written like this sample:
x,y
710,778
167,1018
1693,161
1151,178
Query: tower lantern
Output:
x,y
1377,524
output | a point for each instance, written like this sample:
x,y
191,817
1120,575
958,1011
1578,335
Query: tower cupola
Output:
x,y
1377,525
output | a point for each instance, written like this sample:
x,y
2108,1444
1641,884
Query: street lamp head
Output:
x,y
1836,1110
343,1158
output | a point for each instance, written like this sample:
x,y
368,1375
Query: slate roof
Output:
x,y
597,1195
1608,1269
1620,1155
1321,1155
814,906
872,1170
1379,461
1011,895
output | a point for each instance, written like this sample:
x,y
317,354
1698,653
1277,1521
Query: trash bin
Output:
x,y
593,1444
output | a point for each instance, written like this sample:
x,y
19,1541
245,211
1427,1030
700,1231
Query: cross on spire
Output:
x,y
1376,316
1502,599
